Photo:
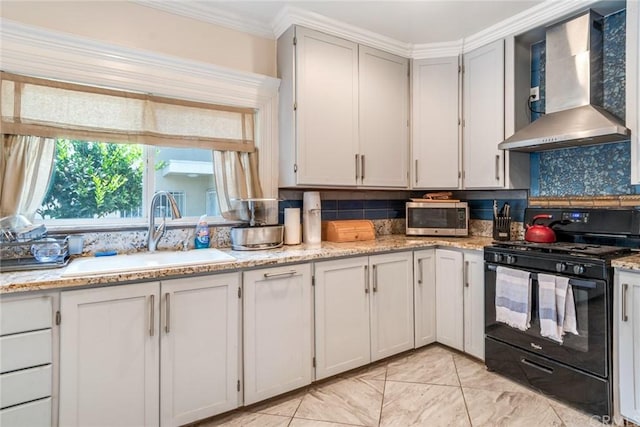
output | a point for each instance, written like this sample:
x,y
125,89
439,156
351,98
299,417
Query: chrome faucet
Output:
x,y
155,234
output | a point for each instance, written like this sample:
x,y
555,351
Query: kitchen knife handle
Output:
x,y
357,166
152,315
497,167
625,288
167,312
366,279
416,171
362,167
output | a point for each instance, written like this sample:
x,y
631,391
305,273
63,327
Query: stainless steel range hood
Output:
x,y
574,85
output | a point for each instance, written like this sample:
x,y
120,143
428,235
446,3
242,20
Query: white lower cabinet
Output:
x,y
460,300
28,361
199,354
113,340
449,299
627,319
364,310
109,356
342,311
278,331
474,304
424,290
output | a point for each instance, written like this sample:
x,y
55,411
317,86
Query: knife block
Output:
x,y
502,228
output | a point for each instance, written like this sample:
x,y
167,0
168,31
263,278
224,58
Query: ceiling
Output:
x,y
410,22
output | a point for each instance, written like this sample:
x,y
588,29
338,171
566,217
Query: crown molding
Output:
x,y
33,51
212,15
289,16
543,14
437,50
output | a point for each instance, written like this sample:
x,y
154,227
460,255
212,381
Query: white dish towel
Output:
x,y
513,297
556,307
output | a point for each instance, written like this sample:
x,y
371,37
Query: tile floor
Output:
x,y
432,386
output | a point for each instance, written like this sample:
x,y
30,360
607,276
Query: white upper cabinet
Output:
x,y
384,104
327,109
483,117
343,113
435,109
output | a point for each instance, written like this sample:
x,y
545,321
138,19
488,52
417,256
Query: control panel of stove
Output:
x,y
582,217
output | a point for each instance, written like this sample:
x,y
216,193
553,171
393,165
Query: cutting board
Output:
x,y
348,230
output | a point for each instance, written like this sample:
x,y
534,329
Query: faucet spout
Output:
x,y
154,234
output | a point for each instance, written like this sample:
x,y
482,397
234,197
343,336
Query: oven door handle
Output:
x,y
577,283
536,365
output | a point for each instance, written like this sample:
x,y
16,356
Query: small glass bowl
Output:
x,y
46,252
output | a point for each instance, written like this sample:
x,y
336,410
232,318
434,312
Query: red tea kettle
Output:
x,y
538,233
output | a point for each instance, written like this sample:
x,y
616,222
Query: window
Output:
x,y
97,180
156,143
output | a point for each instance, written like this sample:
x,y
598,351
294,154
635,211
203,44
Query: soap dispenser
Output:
x,y
311,218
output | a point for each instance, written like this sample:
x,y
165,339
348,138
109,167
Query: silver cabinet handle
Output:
x,y
466,274
416,171
152,315
497,167
167,312
375,279
419,271
625,288
362,167
357,166
274,275
366,279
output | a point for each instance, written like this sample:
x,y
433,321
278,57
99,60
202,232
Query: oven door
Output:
x,y
587,351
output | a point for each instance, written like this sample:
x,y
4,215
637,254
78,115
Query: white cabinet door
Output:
x,y
424,265
342,315
327,109
277,331
199,351
384,104
483,89
628,321
449,299
391,304
436,147
474,304
109,360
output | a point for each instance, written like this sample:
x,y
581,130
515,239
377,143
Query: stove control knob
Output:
x,y
578,269
497,257
560,267
511,259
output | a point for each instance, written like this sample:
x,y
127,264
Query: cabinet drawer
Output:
x,y
25,315
25,385
32,414
26,350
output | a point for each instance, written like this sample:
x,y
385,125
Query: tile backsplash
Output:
x,y
594,170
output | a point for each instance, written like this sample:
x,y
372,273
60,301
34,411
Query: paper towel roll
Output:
x,y
292,226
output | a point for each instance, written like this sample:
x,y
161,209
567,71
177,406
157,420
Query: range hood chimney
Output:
x,y
574,85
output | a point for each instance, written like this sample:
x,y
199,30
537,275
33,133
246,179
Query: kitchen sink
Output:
x,y
144,261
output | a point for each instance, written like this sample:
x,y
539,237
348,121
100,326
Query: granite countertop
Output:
x,y
631,262
52,279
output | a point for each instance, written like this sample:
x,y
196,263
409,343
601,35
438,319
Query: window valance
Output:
x,y
47,108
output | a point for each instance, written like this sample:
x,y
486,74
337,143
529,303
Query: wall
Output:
x,y
136,26
595,170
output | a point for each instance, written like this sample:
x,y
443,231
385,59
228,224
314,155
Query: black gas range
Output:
x,y
577,368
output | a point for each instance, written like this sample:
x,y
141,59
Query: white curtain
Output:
x,y
26,165
237,178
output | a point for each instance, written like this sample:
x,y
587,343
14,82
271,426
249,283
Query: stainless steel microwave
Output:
x,y
437,219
